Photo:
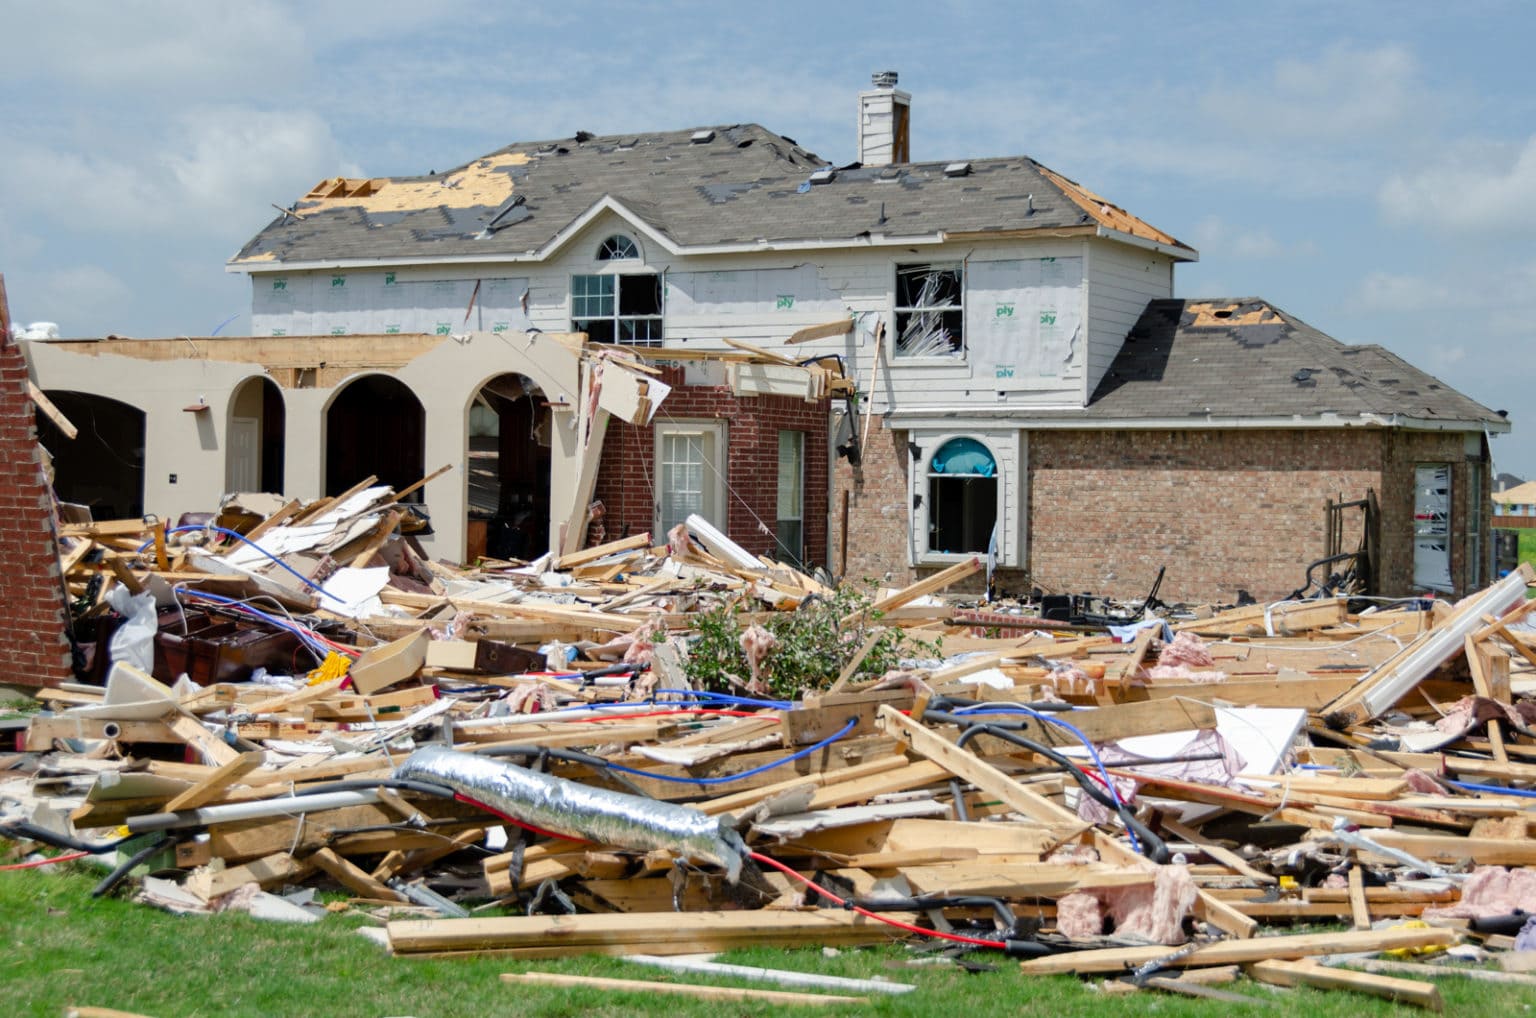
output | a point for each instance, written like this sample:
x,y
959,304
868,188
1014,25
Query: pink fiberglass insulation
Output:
x,y
1079,916
757,643
1186,649
677,540
1153,911
1186,674
1492,891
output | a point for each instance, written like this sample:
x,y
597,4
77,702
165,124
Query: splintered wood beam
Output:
x,y
50,411
922,588
352,878
434,475
191,731
969,767
1240,952
841,327
1309,973
212,786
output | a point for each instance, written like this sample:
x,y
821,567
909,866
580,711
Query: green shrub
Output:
x,y
813,645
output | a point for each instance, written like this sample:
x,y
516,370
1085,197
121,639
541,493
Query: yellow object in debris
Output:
x,y
1288,883
333,667
1413,952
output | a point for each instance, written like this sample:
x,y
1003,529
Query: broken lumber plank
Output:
x,y
597,551
268,871
971,768
210,787
697,990
922,588
1359,907
1218,852
353,878
1280,619
191,731
1309,973
1417,969
841,327
648,933
1228,952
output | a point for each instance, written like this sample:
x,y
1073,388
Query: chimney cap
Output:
x,y
883,79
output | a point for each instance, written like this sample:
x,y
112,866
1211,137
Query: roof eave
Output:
x,y
1178,252
919,417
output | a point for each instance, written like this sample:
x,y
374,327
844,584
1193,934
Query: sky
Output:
x,y
1368,167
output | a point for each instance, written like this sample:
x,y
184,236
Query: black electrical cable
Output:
x,y
1007,731
126,866
23,831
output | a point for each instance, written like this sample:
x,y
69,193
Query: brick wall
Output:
x,y
33,648
879,519
626,482
1223,510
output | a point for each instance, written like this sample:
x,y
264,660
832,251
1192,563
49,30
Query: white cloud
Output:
x,y
1394,293
215,163
231,161
1212,236
1343,94
1477,190
72,295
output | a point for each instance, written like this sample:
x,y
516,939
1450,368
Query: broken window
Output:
x,y
617,247
689,474
962,497
929,315
1475,577
617,309
790,527
1432,526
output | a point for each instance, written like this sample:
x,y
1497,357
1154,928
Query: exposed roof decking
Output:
x,y
746,186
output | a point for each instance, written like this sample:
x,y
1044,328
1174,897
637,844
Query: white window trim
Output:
x,y
1009,450
714,472
612,270
798,554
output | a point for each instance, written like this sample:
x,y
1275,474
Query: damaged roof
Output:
x,y
1243,358
697,188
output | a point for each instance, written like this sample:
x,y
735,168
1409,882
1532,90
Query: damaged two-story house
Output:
x,y
1027,385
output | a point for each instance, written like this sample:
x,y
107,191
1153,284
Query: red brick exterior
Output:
x,y
33,648
1223,510
627,478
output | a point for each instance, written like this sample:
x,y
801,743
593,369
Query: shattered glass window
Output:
x,y
929,312
618,309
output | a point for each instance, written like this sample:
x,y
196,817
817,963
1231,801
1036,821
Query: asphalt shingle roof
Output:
x,y
1242,358
744,185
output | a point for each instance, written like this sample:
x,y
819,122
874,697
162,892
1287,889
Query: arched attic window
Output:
x,y
962,497
616,248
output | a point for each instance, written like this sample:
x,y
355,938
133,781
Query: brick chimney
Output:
x,y
884,122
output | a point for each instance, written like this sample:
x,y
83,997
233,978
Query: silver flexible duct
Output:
x,y
580,811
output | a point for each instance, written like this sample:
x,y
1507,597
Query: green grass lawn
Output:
x,y
63,948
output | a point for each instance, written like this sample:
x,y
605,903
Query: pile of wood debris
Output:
x,y
1155,805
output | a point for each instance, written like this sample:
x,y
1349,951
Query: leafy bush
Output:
x,y
813,645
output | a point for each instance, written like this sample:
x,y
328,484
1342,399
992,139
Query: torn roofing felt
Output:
x,y
1242,357
744,185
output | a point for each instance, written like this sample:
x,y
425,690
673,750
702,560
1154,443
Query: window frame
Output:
x,y
713,476
902,314
655,324
794,555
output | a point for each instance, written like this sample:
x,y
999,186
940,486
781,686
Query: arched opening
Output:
x,y
508,475
962,497
102,467
253,457
375,425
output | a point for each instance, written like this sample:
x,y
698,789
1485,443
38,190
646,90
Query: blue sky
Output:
x,y
1368,167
